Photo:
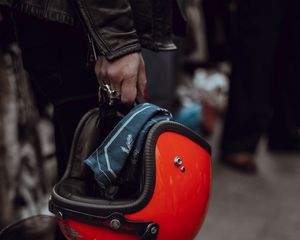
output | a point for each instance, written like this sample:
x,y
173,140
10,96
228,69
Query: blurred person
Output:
x,y
219,18
58,38
163,67
195,45
161,75
263,93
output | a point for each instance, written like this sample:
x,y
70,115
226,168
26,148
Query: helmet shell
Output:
x,y
181,196
178,197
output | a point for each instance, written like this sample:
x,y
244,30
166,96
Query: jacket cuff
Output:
x,y
110,26
123,51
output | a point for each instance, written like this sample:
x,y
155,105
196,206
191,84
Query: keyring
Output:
x,y
113,95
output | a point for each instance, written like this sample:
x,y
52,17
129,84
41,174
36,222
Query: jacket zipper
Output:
x,y
92,55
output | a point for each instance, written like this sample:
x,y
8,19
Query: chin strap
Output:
x,y
115,222
151,232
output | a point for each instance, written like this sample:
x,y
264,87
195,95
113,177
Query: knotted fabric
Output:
x,y
124,143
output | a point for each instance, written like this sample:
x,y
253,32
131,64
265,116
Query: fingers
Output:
x,y
108,73
125,75
142,79
114,78
129,90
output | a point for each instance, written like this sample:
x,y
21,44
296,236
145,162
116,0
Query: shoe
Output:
x,y
243,162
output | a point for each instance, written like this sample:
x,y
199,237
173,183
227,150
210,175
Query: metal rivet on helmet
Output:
x,y
177,161
115,224
154,230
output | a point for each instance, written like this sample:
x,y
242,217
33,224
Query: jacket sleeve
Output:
x,y
110,26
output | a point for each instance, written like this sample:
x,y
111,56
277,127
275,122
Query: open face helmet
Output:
x,y
168,200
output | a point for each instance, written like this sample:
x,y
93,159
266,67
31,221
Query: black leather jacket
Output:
x,y
116,27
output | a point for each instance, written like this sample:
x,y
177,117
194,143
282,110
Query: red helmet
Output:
x,y
171,200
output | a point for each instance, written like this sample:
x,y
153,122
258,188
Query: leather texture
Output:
x,y
117,27
153,23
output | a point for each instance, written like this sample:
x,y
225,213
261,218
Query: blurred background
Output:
x,y
235,80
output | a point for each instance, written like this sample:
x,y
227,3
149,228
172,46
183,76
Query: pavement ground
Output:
x,y
265,206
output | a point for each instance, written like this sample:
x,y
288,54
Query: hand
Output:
x,y
125,75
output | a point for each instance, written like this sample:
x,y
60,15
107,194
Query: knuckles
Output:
x,y
113,73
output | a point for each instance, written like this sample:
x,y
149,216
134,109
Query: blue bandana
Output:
x,y
124,142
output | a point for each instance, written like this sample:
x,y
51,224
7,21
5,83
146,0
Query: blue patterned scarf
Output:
x,y
124,142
